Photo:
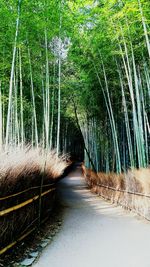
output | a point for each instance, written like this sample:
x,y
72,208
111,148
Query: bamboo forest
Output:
x,y
74,87
92,55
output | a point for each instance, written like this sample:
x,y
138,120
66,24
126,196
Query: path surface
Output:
x,y
95,233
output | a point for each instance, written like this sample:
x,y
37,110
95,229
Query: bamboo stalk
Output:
x,y
33,100
25,203
12,75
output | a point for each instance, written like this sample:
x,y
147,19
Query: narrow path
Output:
x,y
95,233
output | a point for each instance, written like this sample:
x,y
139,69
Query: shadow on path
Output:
x,y
94,232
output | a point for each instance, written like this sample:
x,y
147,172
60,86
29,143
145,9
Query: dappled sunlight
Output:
x,y
95,231
129,190
76,195
75,96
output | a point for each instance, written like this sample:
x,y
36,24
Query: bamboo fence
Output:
x,y
7,211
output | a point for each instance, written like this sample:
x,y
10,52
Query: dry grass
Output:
x,y
21,170
136,181
112,180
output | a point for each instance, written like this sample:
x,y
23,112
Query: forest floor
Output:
x,y
95,233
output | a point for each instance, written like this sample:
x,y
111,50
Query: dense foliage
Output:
x,y
66,64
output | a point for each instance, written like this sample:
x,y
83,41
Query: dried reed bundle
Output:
x,y
21,170
130,190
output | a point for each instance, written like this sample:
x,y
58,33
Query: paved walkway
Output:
x,y
95,233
